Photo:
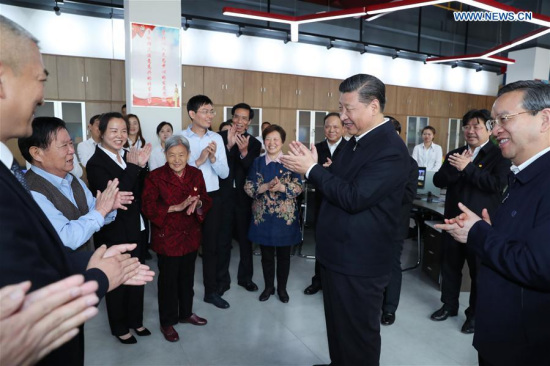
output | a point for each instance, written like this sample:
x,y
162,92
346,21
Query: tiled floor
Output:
x,y
272,333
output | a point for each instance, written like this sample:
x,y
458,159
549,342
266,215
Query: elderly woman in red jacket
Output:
x,y
175,200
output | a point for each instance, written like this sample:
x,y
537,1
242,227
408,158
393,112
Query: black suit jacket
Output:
x,y
360,212
323,152
31,250
126,226
479,185
238,168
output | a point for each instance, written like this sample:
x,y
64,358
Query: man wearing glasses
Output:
x,y
513,244
241,149
475,175
208,155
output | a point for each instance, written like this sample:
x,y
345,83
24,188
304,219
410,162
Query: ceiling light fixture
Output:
x,y
330,45
364,50
479,68
396,55
239,32
56,9
454,65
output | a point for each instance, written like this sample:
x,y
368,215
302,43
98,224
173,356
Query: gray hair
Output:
x,y
14,44
369,88
536,94
176,140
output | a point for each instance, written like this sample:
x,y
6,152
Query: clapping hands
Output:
x,y
139,156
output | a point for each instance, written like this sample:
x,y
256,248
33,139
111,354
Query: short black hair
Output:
x,y
243,106
44,131
333,114
431,128
265,123
274,128
106,117
396,124
223,124
369,88
162,124
198,101
93,119
123,106
482,114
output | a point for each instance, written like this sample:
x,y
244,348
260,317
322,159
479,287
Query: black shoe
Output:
x,y
469,325
222,289
312,289
443,314
216,300
387,318
142,333
283,295
131,340
264,296
249,286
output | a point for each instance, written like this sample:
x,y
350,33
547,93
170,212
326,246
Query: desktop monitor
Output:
x,y
421,177
428,183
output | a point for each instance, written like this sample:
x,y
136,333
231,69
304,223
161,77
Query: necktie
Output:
x,y
353,141
16,169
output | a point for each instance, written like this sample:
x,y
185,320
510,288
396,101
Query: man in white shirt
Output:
x,y
208,155
87,148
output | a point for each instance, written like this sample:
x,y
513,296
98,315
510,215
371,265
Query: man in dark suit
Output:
x,y
475,175
241,149
359,213
327,150
30,247
513,321
392,292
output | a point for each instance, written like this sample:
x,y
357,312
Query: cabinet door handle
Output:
x,y
86,79
184,84
296,91
222,86
265,90
261,90
429,268
431,252
82,79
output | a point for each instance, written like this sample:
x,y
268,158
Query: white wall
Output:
x,y
92,37
531,63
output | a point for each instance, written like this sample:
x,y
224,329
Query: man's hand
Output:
x,y
300,159
460,161
242,143
460,226
231,136
32,326
212,147
327,163
105,200
123,198
118,268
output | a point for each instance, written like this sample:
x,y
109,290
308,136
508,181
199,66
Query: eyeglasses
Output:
x,y
207,111
243,118
472,127
501,121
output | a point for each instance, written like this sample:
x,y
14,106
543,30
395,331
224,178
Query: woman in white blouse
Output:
x,y
135,136
158,158
428,154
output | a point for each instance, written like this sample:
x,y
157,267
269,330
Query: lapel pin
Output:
x,y
481,165
195,189
281,171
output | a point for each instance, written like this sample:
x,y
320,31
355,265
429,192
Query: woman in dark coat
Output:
x,y
176,202
110,160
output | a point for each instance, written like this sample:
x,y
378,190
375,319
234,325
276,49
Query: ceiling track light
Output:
x,y
396,55
454,65
365,50
287,39
240,32
479,68
330,45
56,9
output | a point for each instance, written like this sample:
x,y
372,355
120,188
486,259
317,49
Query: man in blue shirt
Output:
x,y
208,155
69,205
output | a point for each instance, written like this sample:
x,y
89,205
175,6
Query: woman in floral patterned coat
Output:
x,y
274,225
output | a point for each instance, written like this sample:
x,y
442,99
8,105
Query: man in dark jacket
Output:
x,y
513,321
475,175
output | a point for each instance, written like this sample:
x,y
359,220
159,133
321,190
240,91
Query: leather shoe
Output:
x,y
387,318
142,333
283,295
131,340
469,325
195,320
312,289
222,288
170,333
443,314
249,286
216,300
264,296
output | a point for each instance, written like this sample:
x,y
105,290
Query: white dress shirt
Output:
x,y
157,158
85,150
430,158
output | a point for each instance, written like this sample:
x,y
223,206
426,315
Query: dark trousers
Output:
x,y
125,309
454,254
125,303
175,284
210,235
316,279
236,216
268,265
392,292
352,313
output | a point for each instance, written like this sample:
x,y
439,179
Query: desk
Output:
x,y
437,208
